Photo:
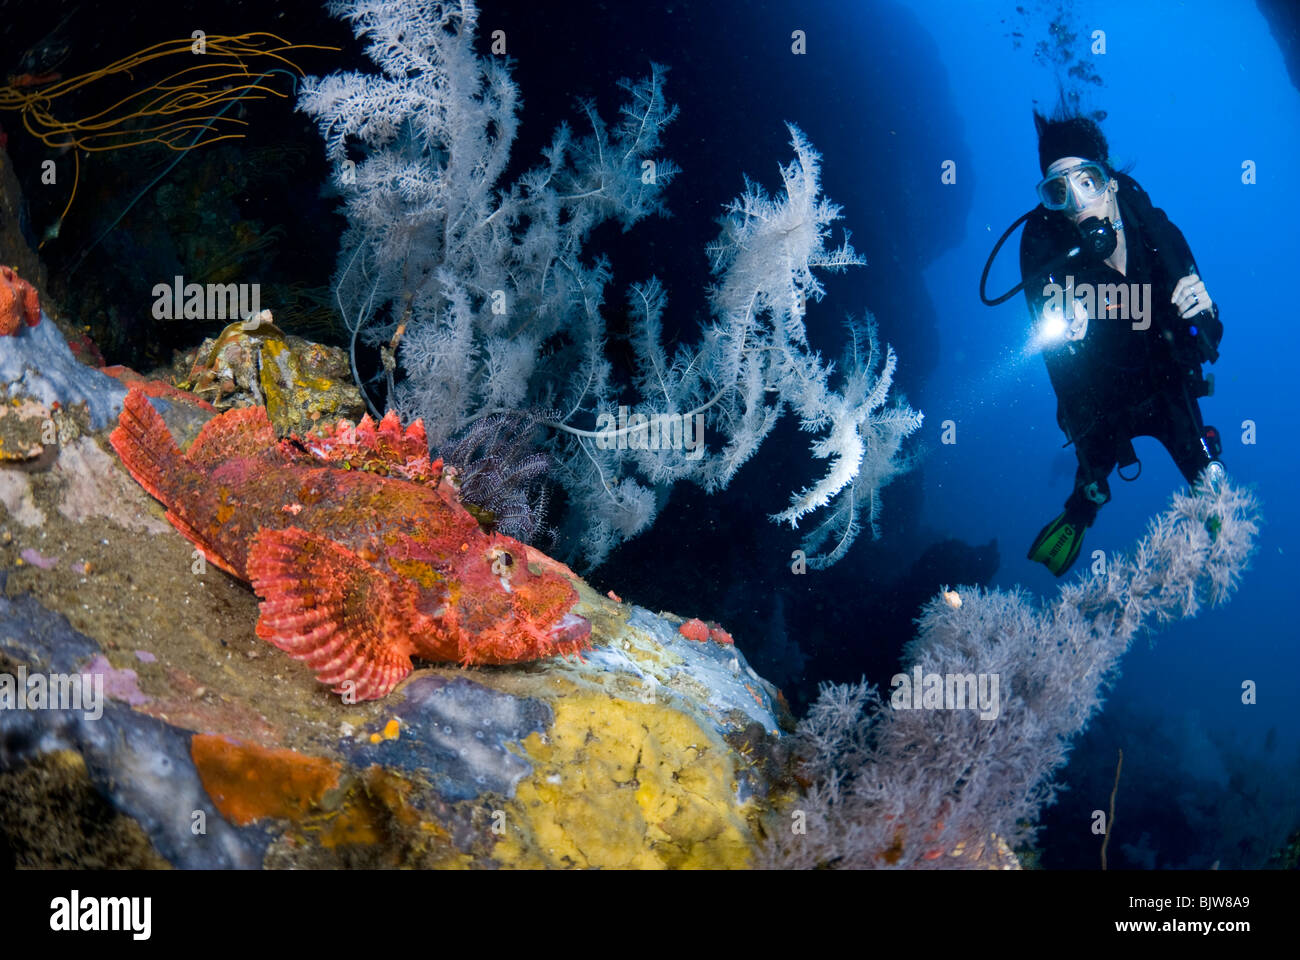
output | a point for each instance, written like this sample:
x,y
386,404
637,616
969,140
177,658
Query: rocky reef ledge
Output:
x,y
659,748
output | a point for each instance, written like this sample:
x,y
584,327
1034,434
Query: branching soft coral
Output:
x,y
495,304
933,787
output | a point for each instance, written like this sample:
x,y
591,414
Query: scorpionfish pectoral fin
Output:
x,y
150,454
326,606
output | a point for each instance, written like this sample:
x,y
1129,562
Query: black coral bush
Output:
x,y
473,276
899,787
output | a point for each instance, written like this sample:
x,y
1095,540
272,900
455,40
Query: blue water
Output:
x,y
889,92
1189,98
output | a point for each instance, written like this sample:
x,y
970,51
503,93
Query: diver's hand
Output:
x,y
1190,297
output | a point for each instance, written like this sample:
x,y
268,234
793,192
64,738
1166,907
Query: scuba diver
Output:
x,y
1124,322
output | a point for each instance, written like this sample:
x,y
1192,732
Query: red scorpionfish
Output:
x,y
357,545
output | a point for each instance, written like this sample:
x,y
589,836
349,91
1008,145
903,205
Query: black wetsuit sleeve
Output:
x,y
1042,243
1173,255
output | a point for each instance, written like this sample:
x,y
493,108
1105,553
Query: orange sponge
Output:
x,y
18,302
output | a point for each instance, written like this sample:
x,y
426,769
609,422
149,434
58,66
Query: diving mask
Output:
x,y
1075,186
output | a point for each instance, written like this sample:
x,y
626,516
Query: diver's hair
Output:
x,y
1069,136
1071,131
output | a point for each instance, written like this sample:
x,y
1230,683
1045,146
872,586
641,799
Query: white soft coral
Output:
x,y
502,307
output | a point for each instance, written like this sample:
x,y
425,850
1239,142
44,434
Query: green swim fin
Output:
x,y
1057,545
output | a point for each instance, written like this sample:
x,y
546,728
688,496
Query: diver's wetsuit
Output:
x,y
1114,383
